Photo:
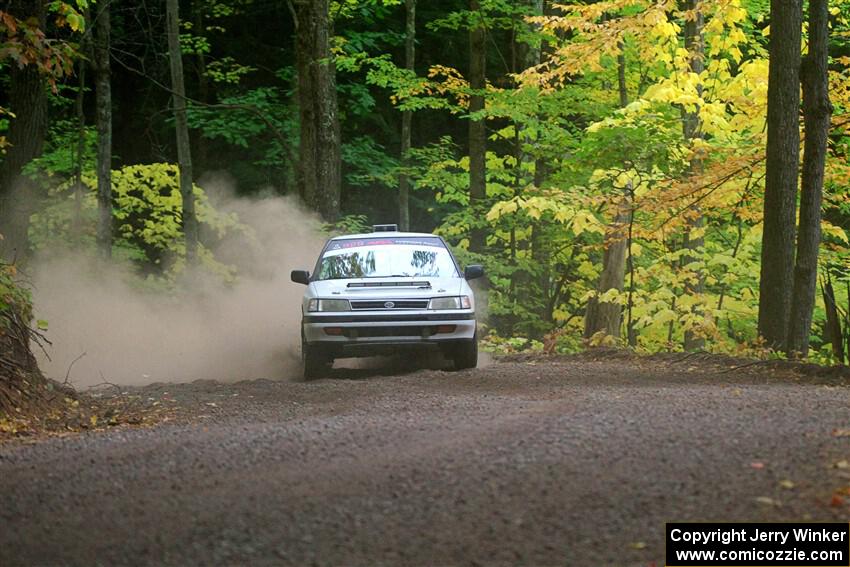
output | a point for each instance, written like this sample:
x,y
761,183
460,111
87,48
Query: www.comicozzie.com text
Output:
x,y
728,536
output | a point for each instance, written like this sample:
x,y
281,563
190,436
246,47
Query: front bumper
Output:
x,y
360,333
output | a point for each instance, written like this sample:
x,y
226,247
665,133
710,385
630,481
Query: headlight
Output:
x,y
461,302
328,305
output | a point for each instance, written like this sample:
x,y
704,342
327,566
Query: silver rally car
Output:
x,y
385,291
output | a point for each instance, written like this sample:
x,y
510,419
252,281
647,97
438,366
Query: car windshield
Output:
x,y
386,257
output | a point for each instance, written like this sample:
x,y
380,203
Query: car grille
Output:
x,y
400,331
389,305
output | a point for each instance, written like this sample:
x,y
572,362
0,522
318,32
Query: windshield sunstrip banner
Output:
x,y
404,240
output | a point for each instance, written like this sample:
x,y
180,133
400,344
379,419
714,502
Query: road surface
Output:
x,y
571,461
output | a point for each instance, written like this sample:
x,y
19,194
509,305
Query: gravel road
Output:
x,y
571,461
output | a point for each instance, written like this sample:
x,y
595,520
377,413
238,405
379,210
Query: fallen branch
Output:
x,y
104,382
744,366
70,366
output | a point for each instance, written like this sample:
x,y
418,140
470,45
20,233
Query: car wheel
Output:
x,y
466,354
315,362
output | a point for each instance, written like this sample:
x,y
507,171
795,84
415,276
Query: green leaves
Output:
x,y
147,212
15,299
368,162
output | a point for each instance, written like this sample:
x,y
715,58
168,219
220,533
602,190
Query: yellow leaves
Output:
x,y
715,119
534,207
597,126
736,54
601,338
585,221
503,208
447,81
8,426
665,316
680,89
613,296
637,249
666,30
561,315
594,39
587,270
830,229
577,219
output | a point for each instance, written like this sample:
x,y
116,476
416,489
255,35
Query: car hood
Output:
x,y
390,288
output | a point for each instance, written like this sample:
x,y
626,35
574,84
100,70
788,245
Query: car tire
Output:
x,y
466,354
315,362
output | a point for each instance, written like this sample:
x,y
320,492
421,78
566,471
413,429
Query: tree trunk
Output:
x,y
833,320
621,76
79,188
816,113
783,156
692,130
407,117
478,127
607,316
631,332
27,130
307,147
319,168
523,56
200,156
539,250
184,152
103,102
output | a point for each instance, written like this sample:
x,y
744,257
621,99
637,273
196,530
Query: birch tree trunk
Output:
x,y
184,152
816,114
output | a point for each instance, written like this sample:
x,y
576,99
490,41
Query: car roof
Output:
x,y
384,234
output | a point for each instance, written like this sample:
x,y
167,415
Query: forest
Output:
x,y
624,169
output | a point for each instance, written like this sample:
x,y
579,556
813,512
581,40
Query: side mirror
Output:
x,y
300,276
474,271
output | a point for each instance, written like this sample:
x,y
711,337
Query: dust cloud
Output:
x,y
104,326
